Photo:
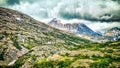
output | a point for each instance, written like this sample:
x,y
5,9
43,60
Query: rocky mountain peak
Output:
x,y
113,33
55,21
77,28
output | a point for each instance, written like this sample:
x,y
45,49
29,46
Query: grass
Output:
x,y
98,61
104,63
53,64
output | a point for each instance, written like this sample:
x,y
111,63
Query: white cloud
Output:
x,y
52,8
103,26
45,10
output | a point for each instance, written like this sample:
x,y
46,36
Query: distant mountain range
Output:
x,y
77,28
84,31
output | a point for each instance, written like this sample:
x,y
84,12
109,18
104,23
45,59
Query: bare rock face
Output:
x,y
10,52
113,33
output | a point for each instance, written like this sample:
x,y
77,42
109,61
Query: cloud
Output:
x,y
96,25
103,26
2,2
94,11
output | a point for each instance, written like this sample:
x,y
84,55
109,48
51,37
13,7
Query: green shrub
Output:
x,y
96,57
64,64
67,54
2,56
102,45
115,58
53,64
44,64
104,63
109,51
107,56
16,44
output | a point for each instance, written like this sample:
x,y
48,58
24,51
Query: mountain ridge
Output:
x,y
77,28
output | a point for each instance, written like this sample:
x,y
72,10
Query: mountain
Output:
x,y
21,34
28,43
113,33
77,28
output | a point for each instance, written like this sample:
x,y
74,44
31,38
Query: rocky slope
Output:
x,y
113,33
19,34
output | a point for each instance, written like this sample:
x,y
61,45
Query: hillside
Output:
x,y
19,34
27,43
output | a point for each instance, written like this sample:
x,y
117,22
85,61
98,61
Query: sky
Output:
x,y
99,15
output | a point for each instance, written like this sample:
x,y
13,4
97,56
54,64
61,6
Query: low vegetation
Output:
x,y
93,56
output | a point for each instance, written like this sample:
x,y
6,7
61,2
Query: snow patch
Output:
x,y
11,63
18,18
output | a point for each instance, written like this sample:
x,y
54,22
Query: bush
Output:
x,y
16,44
115,58
107,56
53,64
64,64
102,45
47,64
101,64
67,54
109,51
43,63
96,57
2,56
